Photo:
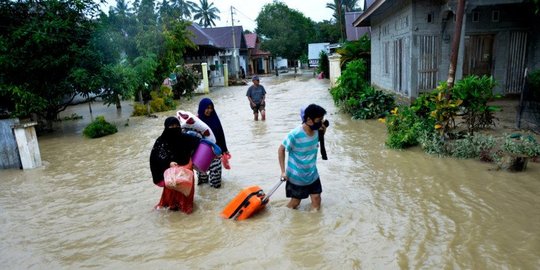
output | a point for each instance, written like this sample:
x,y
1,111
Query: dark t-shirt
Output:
x,y
256,93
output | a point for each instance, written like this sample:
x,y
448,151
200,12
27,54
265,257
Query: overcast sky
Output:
x,y
246,11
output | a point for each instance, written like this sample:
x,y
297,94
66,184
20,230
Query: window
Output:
x,y
476,16
495,15
429,17
386,58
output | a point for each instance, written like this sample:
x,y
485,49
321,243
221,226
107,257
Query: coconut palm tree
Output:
x,y
339,13
206,13
184,8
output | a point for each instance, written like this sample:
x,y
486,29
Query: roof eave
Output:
x,y
364,19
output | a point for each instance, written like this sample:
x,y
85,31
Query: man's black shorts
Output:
x,y
302,192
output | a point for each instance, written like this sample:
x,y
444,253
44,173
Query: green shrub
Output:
x,y
99,128
188,80
476,92
432,143
354,95
139,109
324,64
404,127
520,145
472,146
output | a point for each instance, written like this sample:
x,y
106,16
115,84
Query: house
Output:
x,y
354,33
232,40
314,51
411,42
216,46
258,61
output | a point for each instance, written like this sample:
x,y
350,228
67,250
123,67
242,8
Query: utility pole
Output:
x,y
455,44
235,63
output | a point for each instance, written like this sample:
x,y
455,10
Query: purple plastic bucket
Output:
x,y
203,156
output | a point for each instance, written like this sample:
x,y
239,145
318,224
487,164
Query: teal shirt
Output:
x,y
301,163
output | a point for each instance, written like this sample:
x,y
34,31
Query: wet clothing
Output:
x,y
257,93
172,145
301,162
302,192
213,176
258,108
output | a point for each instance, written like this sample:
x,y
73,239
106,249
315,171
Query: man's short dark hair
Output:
x,y
313,111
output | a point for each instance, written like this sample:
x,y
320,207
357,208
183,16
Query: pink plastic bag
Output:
x,y
225,160
179,178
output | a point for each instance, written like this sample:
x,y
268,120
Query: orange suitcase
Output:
x,y
249,201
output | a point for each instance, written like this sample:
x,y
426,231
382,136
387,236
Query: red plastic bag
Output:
x,y
179,178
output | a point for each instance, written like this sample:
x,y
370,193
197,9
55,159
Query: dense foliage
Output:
x,y
324,64
354,95
46,55
52,51
476,92
284,32
99,128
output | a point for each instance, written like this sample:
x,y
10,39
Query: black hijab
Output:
x,y
213,122
172,145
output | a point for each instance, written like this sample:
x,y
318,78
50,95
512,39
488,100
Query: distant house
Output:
x,y
258,61
207,48
354,33
411,42
218,46
314,51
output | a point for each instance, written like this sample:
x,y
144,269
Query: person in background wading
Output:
x,y
172,148
208,115
256,95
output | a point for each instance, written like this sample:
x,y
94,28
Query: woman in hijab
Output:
x,y
208,115
172,148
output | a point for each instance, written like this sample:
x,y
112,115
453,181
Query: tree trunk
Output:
x,y
455,44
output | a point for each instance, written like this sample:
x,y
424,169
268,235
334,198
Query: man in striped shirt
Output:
x,y
302,145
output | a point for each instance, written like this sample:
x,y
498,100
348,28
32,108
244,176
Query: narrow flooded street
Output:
x,y
91,204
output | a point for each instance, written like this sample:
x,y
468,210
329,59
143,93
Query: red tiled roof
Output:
x,y
251,40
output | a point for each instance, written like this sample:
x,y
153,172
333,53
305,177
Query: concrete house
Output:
x,y
411,42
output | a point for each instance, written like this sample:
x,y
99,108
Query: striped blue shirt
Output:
x,y
301,163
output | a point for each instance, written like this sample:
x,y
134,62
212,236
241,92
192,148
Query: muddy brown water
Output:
x,y
91,204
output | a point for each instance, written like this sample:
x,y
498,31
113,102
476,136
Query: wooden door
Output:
x,y
478,55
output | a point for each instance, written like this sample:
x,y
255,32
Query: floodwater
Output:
x,y
91,204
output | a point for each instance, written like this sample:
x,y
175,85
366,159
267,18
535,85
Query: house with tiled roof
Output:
x,y
259,61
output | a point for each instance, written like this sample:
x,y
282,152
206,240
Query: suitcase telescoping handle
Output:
x,y
267,197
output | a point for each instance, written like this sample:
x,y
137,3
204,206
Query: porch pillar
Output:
x,y
226,74
335,68
206,88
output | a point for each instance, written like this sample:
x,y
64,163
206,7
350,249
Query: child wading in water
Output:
x,y
302,145
208,115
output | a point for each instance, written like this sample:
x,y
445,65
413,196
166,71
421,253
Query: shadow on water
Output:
x,y
91,204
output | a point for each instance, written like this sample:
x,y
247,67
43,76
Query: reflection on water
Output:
x,y
91,204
